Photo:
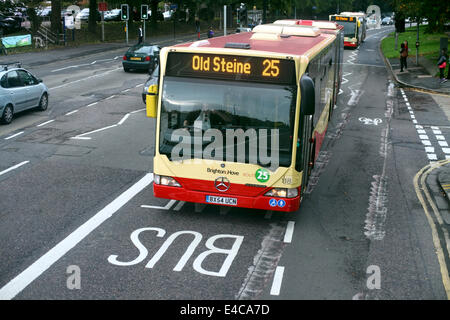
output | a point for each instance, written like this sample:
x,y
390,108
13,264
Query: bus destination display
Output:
x,y
339,18
231,67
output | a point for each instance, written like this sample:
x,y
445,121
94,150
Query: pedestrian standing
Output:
x,y
442,64
403,55
197,27
407,53
140,35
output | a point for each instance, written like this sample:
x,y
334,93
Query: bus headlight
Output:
x,y
166,181
282,192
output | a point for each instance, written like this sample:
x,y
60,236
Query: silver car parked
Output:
x,y
20,91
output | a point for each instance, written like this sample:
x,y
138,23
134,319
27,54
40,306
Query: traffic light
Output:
x,y
144,12
243,15
125,12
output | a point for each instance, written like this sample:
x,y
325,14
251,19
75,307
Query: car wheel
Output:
x,y
126,69
43,103
7,115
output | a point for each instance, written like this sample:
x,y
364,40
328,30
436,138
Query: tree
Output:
x,y
55,17
92,20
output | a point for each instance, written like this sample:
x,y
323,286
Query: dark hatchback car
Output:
x,y
141,57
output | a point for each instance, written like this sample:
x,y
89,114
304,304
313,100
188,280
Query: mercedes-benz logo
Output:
x,y
222,184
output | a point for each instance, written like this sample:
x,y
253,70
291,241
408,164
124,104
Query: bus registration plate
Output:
x,y
221,200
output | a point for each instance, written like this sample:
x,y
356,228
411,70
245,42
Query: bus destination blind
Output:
x,y
230,67
340,18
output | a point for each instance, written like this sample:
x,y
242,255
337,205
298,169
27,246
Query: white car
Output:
x,y
387,21
20,91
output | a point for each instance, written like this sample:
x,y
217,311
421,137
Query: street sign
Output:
x,y
102,6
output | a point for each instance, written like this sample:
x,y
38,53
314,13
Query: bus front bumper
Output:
x,y
350,44
257,202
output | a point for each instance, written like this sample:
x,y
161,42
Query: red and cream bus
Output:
x,y
354,24
240,119
326,27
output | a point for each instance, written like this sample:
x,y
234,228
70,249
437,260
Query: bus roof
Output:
x,y
353,14
321,24
271,40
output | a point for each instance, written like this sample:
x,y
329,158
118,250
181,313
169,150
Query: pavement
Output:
x,y
421,77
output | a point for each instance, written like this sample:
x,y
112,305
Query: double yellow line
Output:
x,y
420,187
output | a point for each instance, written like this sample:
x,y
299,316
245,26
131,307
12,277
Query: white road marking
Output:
x,y
423,137
139,85
135,111
166,207
289,232
43,124
431,156
13,168
123,119
110,97
81,138
437,131
426,142
446,150
71,112
98,130
179,206
429,149
443,143
92,104
20,282
126,90
277,280
14,135
439,137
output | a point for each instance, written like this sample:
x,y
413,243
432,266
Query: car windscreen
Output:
x,y
143,49
223,108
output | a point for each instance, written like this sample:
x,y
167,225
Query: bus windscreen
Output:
x,y
349,24
231,67
205,106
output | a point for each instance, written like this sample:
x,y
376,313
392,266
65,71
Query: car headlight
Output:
x,y
282,192
166,181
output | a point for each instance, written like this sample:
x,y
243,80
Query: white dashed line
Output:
x,y
71,112
13,168
43,124
289,232
14,135
277,280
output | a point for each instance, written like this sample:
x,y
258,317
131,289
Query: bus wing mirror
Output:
x,y
151,100
308,98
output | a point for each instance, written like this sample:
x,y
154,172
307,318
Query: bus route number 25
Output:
x,y
271,68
